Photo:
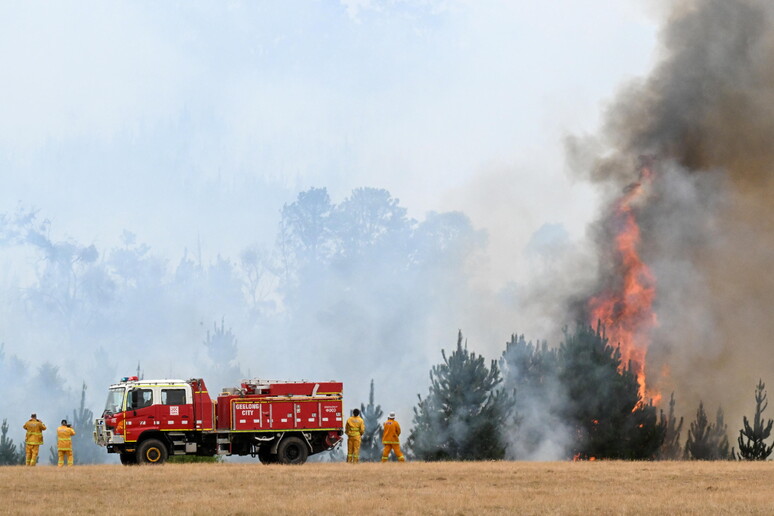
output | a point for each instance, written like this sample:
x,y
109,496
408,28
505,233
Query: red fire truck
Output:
x,y
146,421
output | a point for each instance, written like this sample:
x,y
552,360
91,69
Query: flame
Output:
x,y
626,308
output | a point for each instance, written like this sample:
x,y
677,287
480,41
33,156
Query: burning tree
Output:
x,y
604,407
671,449
752,445
707,441
461,417
370,449
624,304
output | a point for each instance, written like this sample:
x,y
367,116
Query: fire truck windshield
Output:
x,y
115,400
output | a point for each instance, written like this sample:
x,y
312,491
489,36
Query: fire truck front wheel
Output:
x,y
292,450
152,451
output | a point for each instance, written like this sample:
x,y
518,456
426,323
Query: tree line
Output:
x,y
351,279
576,401
579,400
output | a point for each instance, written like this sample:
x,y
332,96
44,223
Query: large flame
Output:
x,y
625,307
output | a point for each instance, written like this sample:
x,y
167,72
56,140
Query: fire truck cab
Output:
x,y
146,421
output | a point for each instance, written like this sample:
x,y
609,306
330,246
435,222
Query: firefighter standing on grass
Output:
x,y
64,443
390,439
355,429
33,439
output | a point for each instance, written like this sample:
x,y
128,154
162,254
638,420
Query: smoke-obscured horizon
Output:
x,y
352,290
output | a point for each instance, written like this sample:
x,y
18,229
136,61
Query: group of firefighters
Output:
x,y
34,438
355,428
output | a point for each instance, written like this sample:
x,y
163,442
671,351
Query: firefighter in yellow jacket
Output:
x,y
64,443
355,429
390,439
33,439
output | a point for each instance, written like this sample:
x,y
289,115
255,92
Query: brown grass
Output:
x,y
411,488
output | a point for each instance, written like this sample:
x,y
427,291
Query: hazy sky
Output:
x,y
190,122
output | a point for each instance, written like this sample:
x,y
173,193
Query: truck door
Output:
x,y
176,410
141,413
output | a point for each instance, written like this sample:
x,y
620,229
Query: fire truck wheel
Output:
x,y
292,450
127,459
152,451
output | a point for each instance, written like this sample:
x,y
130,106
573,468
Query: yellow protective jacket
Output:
x,y
64,438
391,432
34,428
355,426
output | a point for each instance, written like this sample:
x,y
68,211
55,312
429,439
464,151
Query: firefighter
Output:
x,y
64,443
33,439
391,439
355,429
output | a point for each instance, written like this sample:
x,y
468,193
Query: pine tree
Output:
x,y
752,445
85,451
697,445
9,455
530,376
462,416
671,449
221,347
707,441
604,408
370,448
720,437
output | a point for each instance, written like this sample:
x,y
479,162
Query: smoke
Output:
x,y
352,291
704,117
538,431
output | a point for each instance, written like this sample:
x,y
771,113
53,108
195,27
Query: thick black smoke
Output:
x,y
705,116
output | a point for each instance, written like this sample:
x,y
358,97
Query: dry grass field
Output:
x,y
411,488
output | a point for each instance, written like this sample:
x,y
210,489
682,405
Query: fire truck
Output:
x,y
146,421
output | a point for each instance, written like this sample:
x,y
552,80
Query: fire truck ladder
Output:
x,y
224,444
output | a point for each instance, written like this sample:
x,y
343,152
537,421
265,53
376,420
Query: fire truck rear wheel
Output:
x,y
292,450
152,451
